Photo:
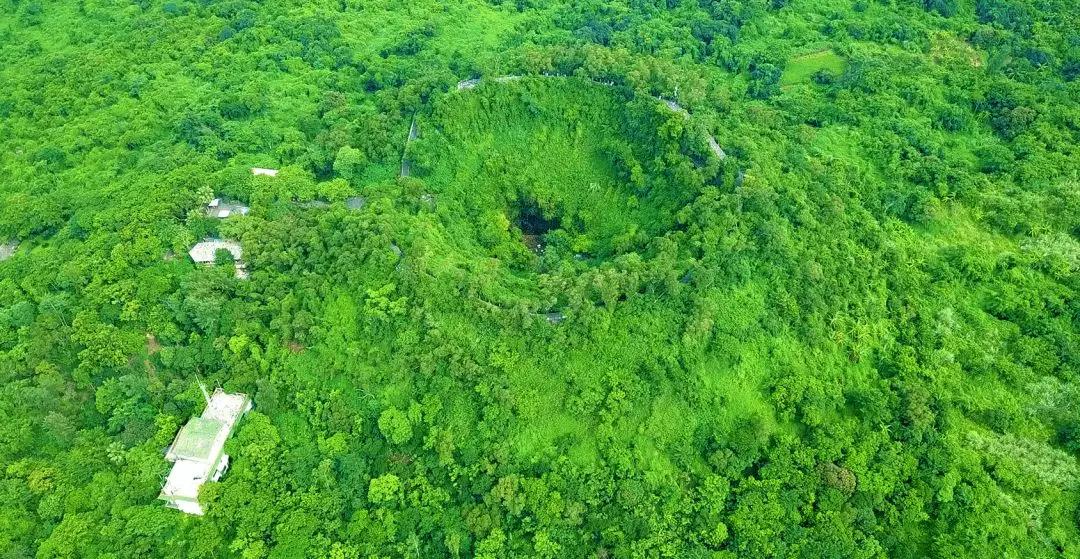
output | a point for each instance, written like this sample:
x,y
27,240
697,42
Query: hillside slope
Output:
x,y
572,330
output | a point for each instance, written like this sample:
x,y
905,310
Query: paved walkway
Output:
x,y
414,131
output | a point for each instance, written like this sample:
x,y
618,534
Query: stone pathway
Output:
x,y
716,149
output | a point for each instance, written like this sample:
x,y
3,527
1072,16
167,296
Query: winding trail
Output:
x,y
709,138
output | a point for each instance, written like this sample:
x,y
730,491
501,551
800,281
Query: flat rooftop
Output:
x,y
222,208
203,437
204,252
200,445
196,440
7,250
226,408
185,479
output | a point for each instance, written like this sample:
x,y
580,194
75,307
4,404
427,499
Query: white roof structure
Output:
x,y
7,250
555,317
675,107
468,84
221,208
204,252
198,453
259,171
355,202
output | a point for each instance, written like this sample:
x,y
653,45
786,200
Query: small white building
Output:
x,y
221,208
198,453
468,84
259,171
204,252
7,250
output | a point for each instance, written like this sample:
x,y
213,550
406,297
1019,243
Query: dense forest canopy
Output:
x,y
680,278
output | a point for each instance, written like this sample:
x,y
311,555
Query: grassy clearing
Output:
x,y
801,68
463,28
737,390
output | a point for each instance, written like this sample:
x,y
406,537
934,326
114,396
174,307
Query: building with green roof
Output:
x,y
198,453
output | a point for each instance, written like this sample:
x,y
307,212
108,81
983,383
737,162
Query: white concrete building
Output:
x,y
259,171
7,250
221,208
468,84
203,253
355,202
198,453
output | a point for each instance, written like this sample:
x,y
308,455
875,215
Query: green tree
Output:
x,y
395,426
349,163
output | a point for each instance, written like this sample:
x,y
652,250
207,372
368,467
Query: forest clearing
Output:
x,y
800,69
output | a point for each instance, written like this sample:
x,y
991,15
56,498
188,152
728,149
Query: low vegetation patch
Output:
x,y
802,69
